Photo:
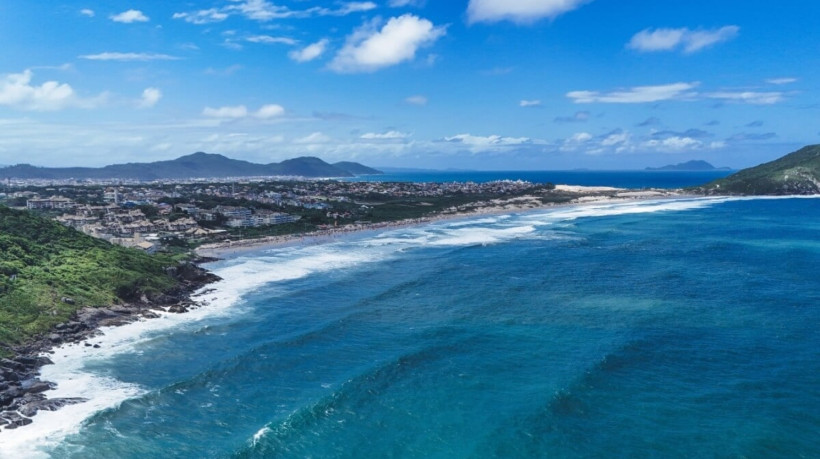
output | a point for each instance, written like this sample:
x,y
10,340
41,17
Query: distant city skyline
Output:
x,y
470,84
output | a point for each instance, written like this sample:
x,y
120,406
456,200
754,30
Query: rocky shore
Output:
x,y
23,393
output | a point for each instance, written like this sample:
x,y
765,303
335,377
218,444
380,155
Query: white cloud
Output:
x,y
519,11
615,138
637,94
779,81
401,3
270,111
113,56
389,135
673,143
267,39
315,138
690,41
202,16
265,112
417,100
492,140
238,111
369,49
749,97
309,52
16,91
127,17
264,11
150,97
87,12
529,103
348,8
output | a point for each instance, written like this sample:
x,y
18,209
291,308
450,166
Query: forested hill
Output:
x,y
196,165
48,271
795,173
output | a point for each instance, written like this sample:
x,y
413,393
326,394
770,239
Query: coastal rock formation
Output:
x,y
23,394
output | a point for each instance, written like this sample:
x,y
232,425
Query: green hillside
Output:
x,y
48,271
795,173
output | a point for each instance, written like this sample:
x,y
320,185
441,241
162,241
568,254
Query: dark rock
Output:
x,y
35,386
8,363
14,419
67,300
96,346
55,338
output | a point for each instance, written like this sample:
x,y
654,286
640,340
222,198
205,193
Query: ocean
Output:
x,y
669,328
620,179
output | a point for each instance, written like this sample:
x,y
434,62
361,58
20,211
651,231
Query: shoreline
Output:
x,y
23,393
31,395
585,196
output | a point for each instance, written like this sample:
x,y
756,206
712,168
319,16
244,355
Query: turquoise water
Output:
x,y
683,328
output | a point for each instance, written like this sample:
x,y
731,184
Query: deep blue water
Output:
x,y
620,179
681,328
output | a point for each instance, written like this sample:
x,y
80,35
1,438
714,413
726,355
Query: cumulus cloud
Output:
x,y
416,100
270,111
127,17
389,135
369,48
87,12
529,103
690,41
17,91
519,11
150,97
637,94
309,52
114,56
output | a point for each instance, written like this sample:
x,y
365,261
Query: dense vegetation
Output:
x,y
48,271
795,173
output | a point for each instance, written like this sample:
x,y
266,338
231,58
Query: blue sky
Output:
x,y
481,84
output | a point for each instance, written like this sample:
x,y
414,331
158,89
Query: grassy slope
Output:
x,y
42,261
795,173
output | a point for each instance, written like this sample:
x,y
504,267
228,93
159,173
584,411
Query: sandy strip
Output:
x,y
589,195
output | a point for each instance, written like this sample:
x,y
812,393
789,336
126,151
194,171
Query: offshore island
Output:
x,y
87,248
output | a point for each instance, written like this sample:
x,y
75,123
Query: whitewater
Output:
x,y
558,332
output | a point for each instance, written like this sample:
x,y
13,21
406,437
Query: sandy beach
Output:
x,y
586,195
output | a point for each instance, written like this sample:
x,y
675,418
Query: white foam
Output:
x,y
260,434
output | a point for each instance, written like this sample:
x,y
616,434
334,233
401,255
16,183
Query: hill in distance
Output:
x,y
795,173
694,165
196,165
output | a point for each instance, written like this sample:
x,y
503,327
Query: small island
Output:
x,y
689,166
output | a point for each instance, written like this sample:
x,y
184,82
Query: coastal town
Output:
x,y
185,214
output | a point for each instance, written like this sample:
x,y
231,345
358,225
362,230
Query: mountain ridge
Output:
x,y
797,173
194,165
